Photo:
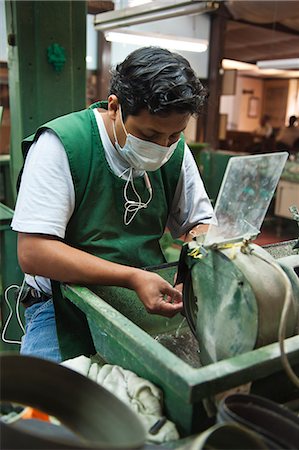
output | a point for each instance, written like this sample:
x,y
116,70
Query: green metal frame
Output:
x,y
119,341
6,185
38,91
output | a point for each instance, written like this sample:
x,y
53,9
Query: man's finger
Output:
x,y
170,309
173,295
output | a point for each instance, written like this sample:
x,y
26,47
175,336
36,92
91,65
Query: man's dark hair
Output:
x,y
159,80
292,121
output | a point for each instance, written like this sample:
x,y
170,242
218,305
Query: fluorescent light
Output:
x,y
150,12
238,65
252,69
133,3
291,63
155,39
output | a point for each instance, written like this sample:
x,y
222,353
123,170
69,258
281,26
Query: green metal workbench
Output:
x,y
134,344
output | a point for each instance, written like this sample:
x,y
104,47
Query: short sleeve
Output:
x,y
46,196
191,205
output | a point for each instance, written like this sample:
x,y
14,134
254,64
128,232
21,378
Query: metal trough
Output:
x,y
134,344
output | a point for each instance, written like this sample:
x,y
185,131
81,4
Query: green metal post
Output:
x,y
46,62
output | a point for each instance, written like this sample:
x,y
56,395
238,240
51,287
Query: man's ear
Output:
x,y
113,106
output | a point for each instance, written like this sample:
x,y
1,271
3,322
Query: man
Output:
x,y
98,188
288,135
262,136
265,128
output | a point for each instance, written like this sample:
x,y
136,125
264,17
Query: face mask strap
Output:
x,y
114,132
123,125
121,120
132,206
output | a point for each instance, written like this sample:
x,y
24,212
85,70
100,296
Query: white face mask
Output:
x,y
143,155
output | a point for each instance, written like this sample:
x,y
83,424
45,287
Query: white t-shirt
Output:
x,y
46,196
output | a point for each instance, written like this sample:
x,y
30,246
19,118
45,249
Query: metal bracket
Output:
x,y
56,56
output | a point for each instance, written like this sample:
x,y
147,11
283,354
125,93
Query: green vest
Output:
x,y
97,224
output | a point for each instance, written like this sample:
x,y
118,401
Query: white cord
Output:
x,y
133,206
283,319
13,286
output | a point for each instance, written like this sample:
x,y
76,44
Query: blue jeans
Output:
x,y
40,339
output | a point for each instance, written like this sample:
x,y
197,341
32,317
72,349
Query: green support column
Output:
x,y
46,62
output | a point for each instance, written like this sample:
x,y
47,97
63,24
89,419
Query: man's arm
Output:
x,y
191,205
51,258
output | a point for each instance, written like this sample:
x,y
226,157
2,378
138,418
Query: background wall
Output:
x,y
293,99
279,98
237,106
276,101
3,46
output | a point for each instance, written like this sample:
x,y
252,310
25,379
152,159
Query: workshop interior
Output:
x,y
224,373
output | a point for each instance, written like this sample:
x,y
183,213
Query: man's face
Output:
x,y
162,130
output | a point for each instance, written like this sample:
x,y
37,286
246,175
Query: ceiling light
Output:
x,y
254,70
150,12
155,39
291,63
228,64
133,3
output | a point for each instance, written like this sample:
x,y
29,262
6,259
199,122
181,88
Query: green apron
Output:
x,y
97,224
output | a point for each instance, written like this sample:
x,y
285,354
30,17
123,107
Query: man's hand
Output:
x,y
50,258
157,295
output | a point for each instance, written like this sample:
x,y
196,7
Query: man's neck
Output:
x,y
108,124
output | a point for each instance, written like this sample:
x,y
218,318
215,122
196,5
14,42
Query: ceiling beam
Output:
x,y
275,26
150,12
97,7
